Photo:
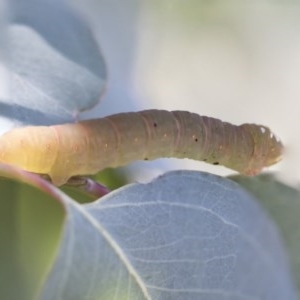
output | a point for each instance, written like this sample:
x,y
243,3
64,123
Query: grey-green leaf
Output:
x,y
56,69
186,235
283,203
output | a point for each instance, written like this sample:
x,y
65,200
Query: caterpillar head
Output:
x,y
267,149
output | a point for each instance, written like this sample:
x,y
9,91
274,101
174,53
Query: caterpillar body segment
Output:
x,y
84,148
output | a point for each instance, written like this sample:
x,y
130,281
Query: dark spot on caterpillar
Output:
x,y
194,138
205,159
154,124
216,163
146,158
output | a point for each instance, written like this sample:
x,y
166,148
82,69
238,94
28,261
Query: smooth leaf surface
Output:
x,y
283,203
54,64
12,284
30,228
185,235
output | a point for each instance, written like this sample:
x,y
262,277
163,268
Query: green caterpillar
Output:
x,y
84,148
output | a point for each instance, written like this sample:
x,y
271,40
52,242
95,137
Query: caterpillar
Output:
x,y
84,148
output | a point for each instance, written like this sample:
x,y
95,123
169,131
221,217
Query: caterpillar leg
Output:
x,y
85,184
88,185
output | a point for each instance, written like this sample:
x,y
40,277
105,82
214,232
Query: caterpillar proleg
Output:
x,y
84,148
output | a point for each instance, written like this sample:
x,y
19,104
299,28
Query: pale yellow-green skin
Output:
x,y
84,148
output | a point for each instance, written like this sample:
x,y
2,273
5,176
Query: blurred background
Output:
x,y
234,60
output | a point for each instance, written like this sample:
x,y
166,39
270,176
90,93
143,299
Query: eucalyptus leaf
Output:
x,y
31,218
283,204
54,64
185,235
